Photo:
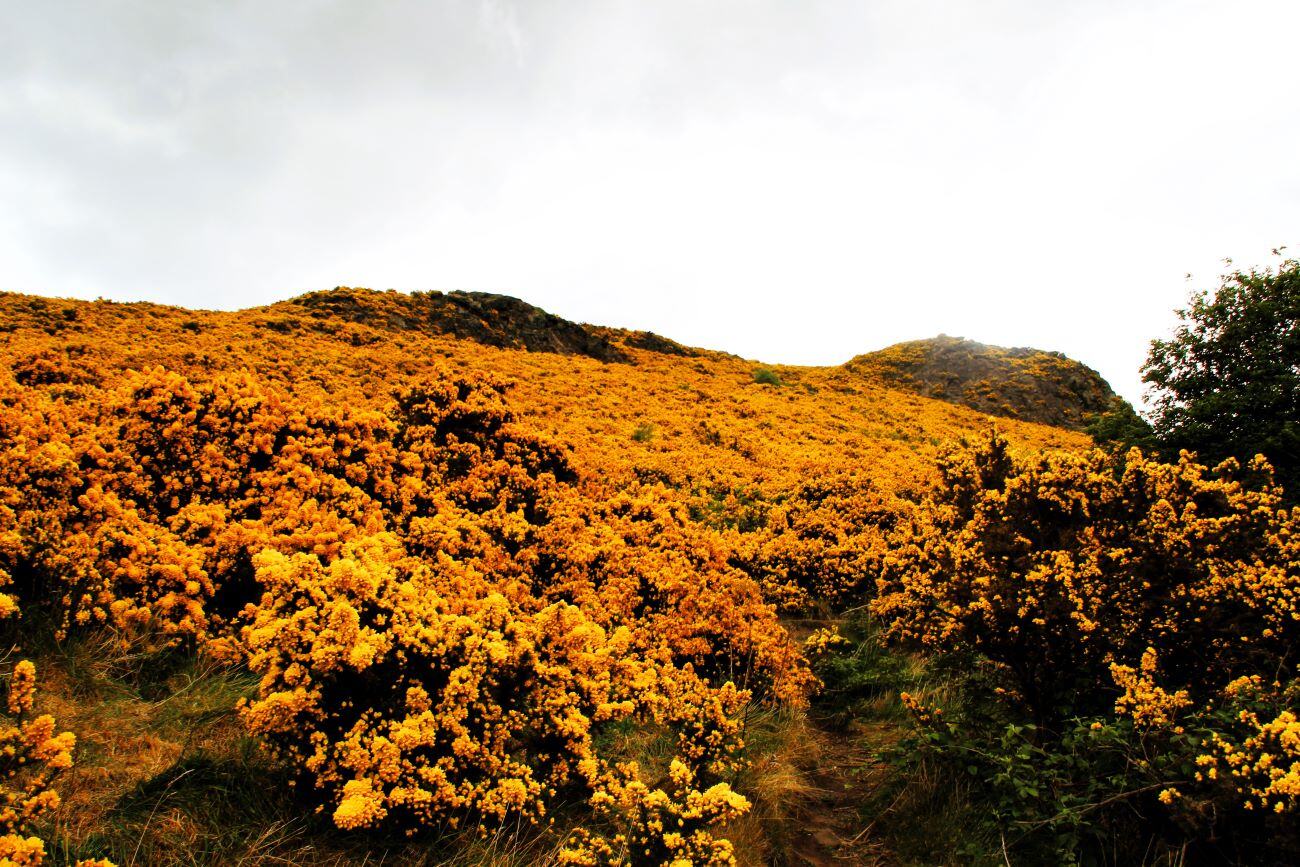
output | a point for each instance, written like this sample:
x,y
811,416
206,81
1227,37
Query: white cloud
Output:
x,y
797,182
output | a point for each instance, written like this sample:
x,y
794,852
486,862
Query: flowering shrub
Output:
x,y
713,426
441,617
412,696
1258,759
1113,615
824,541
823,641
146,511
446,607
1056,566
659,826
418,690
32,754
1143,699
1239,752
636,557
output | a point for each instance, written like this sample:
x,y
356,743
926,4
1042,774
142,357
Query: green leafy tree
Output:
x,y
1120,427
1227,384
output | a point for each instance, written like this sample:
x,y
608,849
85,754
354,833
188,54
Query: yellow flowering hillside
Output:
x,y
459,581
627,403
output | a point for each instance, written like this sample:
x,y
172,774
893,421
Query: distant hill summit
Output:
x,y
483,317
1026,384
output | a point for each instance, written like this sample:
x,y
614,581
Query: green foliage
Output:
x,y
644,432
1120,427
862,677
1098,790
766,376
1227,384
971,780
916,806
1065,799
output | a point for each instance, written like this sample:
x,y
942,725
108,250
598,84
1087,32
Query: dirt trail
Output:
x,y
833,833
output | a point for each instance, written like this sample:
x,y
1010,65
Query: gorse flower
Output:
x,y
658,826
1127,609
455,572
1143,700
1065,568
32,754
442,617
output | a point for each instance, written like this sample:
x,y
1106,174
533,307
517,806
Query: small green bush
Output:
x,y
644,432
766,376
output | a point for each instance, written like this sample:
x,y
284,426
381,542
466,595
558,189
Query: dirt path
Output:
x,y
835,832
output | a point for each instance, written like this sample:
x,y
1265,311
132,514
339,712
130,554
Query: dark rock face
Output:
x,y
494,320
1027,384
652,342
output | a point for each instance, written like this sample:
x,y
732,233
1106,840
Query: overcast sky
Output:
x,y
791,180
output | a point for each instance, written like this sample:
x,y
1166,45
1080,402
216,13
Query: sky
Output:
x,y
794,181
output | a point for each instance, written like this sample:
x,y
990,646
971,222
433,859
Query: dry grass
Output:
x,y
165,775
806,785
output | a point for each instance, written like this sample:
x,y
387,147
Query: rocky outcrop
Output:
x,y
1021,383
484,317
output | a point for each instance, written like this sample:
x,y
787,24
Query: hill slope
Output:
x,y
422,465
629,404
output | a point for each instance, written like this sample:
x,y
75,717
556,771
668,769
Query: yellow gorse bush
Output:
x,y
1057,566
1250,757
408,694
1143,699
658,826
637,556
449,596
1143,596
1265,766
825,540
715,427
32,754
441,614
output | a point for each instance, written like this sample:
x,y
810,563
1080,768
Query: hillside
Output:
x,y
1027,384
702,417
442,579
